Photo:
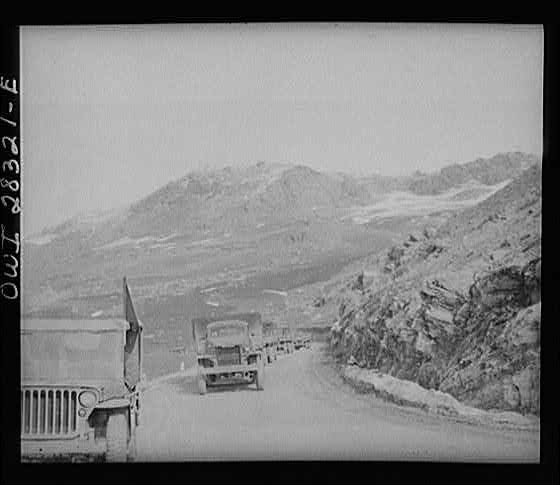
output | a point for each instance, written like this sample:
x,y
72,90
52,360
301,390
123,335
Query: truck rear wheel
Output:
x,y
117,438
259,377
201,381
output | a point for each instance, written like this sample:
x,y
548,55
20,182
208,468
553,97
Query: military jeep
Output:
x,y
226,353
80,381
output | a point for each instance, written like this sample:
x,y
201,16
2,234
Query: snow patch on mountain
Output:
x,y
400,203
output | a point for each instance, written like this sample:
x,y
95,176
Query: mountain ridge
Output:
x,y
261,190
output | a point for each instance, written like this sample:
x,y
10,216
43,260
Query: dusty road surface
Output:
x,y
306,412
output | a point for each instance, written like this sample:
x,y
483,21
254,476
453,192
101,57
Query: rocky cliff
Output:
x,y
458,308
487,171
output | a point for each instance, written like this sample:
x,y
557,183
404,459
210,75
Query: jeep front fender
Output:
x,y
114,404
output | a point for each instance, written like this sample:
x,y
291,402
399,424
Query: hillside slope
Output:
x,y
458,309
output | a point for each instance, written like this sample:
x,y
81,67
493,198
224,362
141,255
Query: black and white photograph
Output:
x,y
280,241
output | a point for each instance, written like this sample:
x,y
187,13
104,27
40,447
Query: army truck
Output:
x,y
298,341
302,340
80,387
226,352
285,340
271,339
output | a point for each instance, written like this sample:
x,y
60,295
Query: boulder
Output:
x,y
511,396
527,383
428,376
429,232
358,283
415,237
502,287
424,344
503,371
439,314
429,249
522,330
395,254
437,293
462,315
532,281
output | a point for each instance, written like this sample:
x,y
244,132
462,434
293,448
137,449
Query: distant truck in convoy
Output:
x,y
271,339
80,387
302,340
285,340
229,350
298,341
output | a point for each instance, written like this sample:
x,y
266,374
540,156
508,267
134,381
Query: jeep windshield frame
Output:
x,y
72,351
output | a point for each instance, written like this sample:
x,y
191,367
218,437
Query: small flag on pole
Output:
x,y
129,313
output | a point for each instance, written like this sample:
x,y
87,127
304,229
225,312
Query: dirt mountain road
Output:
x,y
306,412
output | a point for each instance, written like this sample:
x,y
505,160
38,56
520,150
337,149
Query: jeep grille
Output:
x,y
228,355
49,412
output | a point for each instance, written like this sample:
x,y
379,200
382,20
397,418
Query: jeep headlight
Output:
x,y
87,398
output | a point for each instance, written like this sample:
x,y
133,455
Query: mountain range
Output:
x,y
241,197
244,219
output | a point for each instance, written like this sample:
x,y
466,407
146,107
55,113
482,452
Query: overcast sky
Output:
x,y
112,113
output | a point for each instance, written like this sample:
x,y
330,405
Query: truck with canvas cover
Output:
x,y
80,387
270,341
227,353
298,341
302,340
286,340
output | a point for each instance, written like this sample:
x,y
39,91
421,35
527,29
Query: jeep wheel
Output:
x,y
131,455
117,437
201,384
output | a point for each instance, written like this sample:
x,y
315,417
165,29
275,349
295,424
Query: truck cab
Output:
x,y
226,353
286,340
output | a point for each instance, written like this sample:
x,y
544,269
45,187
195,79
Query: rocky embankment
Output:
x,y
456,309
